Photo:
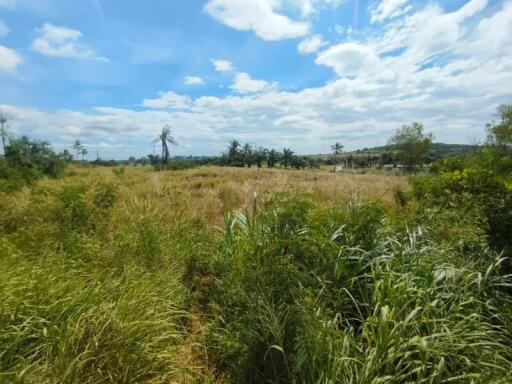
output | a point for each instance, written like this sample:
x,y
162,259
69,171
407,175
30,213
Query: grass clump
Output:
x,y
319,295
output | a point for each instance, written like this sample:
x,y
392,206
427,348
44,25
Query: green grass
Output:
x,y
129,277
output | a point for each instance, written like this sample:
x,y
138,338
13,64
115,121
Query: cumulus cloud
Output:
x,y
62,42
9,60
168,100
260,16
222,65
446,69
245,84
349,59
311,44
388,9
193,80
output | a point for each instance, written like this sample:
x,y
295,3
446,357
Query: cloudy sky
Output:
x,y
295,73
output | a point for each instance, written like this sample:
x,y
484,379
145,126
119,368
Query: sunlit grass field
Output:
x,y
126,275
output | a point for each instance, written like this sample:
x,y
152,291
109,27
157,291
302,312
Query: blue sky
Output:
x,y
294,73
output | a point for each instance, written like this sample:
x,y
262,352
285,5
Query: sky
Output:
x,y
276,73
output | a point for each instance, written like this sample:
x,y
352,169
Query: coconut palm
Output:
x,y
77,146
259,155
4,119
83,152
287,156
165,139
337,148
273,157
248,155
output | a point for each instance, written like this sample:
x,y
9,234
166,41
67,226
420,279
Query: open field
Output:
x,y
126,275
209,192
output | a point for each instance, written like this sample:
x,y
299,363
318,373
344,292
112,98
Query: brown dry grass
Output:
x,y
210,191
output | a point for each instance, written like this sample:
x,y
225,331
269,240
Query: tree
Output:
x,y
83,152
33,158
273,157
67,155
287,156
77,146
337,148
500,133
260,154
247,155
165,139
4,119
412,145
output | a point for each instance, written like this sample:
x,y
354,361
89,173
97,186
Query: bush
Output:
x,y
26,161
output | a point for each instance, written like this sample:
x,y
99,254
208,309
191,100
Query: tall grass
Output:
x,y
343,296
125,277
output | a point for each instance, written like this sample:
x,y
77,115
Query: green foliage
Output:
x,y
500,132
26,161
412,144
342,295
480,186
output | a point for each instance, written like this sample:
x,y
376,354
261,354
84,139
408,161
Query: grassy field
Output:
x,y
126,275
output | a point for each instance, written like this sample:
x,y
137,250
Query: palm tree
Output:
x,y
233,148
4,119
337,148
287,156
259,155
77,146
83,152
272,158
248,155
165,138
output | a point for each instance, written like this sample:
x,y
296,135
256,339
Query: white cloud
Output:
x,y
223,65
389,9
309,7
9,60
193,80
245,84
260,16
169,100
311,44
62,42
4,29
442,68
349,59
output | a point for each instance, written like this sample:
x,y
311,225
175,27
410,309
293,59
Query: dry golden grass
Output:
x,y
210,191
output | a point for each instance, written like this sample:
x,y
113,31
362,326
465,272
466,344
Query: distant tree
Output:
x,y
500,133
33,158
247,154
4,129
337,149
287,156
412,144
165,139
298,162
67,155
273,157
233,149
260,155
77,146
83,152
312,162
